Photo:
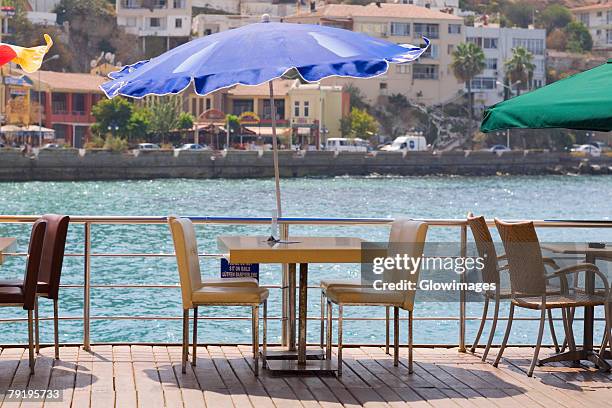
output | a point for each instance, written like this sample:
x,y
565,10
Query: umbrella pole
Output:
x,y
275,151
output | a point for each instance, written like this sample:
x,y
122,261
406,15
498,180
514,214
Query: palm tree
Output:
x,y
468,61
520,68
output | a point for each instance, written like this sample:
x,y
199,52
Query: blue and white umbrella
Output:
x,y
258,53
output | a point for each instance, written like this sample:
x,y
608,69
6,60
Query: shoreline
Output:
x,y
92,165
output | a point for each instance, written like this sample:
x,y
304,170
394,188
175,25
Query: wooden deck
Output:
x,y
144,376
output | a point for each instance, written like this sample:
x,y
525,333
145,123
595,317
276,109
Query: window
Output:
x,y
208,103
382,85
609,17
372,28
130,4
58,103
179,4
491,63
296,108
537,83
426,30
400,29
454,28
475,40
130,21
490,43
533,45
178,23
539,66
279,105
450,48
242,105
599,14
424,71
608,36
584,18
154,22
431,52
306,108
484,83
159,4
402,68
78,104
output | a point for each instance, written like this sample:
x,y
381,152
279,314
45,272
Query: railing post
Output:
x,y
284,234
87,287
462,292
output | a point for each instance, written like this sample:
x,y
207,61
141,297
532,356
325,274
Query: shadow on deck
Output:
x,y
130,376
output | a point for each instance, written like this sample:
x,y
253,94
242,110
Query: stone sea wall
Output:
x,y
73,164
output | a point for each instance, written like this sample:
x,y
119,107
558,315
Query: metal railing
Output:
x,y
285,223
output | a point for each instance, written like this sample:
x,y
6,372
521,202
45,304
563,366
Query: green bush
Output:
x,y
116,144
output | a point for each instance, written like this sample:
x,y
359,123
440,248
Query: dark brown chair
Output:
x,y
491,274
50,271
528,280
25,295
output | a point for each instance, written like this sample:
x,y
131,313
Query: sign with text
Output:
x,y
229,270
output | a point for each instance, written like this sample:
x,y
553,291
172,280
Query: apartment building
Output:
x,y
497,43
159,24
278,8
428,81
207,24
598,19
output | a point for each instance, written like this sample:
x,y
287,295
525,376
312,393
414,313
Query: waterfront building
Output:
x,y
66,101
598,19
160,24
497,43
207,24
430,80
306,111
279,8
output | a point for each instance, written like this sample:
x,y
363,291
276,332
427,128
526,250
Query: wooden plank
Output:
x,y
167,377
146,378
191,393
63,375
123,373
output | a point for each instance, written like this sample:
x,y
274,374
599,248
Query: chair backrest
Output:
x,y
526,267
485,247
412,237
35,249
186,249
396,229
53,252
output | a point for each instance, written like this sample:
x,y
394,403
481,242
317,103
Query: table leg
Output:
x,y
589,311
291,307
303,313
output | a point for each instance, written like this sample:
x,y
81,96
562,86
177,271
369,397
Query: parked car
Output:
x,y
342,144
499,148
2,145
407,143
601,145
148,146
50,146
588,149
192,146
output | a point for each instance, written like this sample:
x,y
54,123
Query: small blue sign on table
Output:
x,y
229,270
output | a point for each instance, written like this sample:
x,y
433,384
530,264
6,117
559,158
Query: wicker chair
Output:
x,y
356,283
491,274
528,281
412,234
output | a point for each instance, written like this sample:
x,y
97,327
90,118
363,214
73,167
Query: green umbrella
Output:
x,y
582,101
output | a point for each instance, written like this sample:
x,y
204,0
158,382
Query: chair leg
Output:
x,y
387,318
506,335
56,328
395,336
339,340
36,326
185,341
552,330
322,319
328,348
483,320
493,328
608,329
539,343
255,318
570,317
410,369
264,361
195,336
31,341
567,327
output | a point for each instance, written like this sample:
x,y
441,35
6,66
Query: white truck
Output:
x,y
341,144
408,143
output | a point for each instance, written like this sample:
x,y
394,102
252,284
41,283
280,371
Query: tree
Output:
x,y
519,14
555,16
164,111
578,37
185,122
363,125
357,99
557,40
112,115
139,124
519,68
468,61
